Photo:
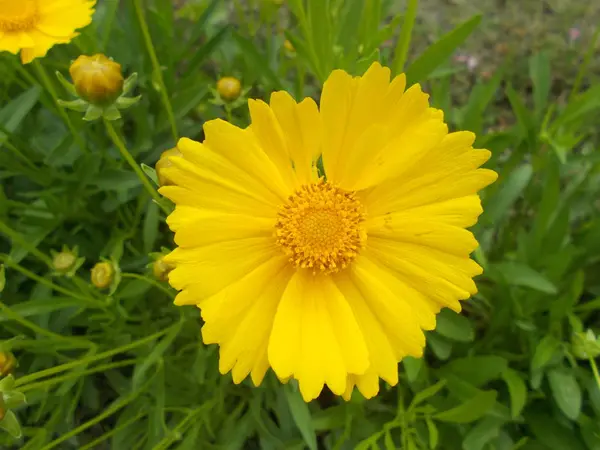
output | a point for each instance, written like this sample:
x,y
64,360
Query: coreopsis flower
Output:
x,y
34,26
321,243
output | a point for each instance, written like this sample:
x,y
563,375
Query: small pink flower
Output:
x,y
574,34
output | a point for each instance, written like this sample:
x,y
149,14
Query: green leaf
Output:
x,y
319,23
150,172
389,442
517,391
499,205
551,433
482,433
566,392
412,367
539,71
14,399
454,326
471,410
477,370
259,62
544,352
524,116
440,51
150,230
403,43
157,352
301,415
11,425
14,112
2,277
433,432
426,393
518,274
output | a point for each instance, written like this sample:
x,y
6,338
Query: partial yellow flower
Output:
x,y
97,79
322,243
34,26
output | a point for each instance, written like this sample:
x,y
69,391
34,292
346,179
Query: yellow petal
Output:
x,y
398,321
301,125
206,270
240,320
382,358
315,336
440,276
195,227
241,149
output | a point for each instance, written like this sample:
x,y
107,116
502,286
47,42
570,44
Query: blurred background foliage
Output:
x,y
125,369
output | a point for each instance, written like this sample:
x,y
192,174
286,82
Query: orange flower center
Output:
x,y
18,15
320,227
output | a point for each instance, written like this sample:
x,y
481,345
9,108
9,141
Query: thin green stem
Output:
x,y
59,379
49,86
405,36
88,360
134,165
166,442
18,238
121,403
90,301
156,66
105,436
154,283
584,65
32,326
595,371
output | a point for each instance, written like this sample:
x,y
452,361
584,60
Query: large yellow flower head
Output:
x,y
321,243
35,26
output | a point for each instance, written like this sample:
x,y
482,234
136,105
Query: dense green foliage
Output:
x,y
127,369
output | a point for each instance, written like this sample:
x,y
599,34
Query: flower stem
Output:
x,y
101,368
134,165
90,359
595,371
47,83
92,302
156,67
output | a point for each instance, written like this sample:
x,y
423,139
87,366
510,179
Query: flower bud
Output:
x,y
289,46
161,269
229,88
163,163
585,345
103,274
97,79
7,363
63,261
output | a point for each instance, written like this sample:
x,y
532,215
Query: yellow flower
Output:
x,y
35,26
163,163
97,79
102,275
229,88
322,243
